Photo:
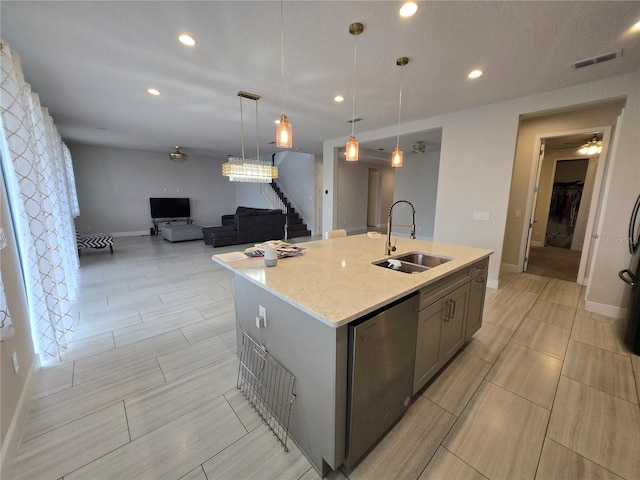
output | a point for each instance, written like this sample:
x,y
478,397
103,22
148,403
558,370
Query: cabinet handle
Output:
x,y
447,311
480,279
453,313
480,267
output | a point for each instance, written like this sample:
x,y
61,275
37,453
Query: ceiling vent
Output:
x,y
355,119
605,57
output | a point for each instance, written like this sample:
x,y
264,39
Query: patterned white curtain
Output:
x,y
41,189
6,327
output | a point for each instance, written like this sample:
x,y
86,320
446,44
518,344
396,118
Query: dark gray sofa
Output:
x,y
247,225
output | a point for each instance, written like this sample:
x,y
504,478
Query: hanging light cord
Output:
x,y
282,49
257,137
353,93
399,107
241,128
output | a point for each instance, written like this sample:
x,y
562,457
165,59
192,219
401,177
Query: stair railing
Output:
x,y
274,201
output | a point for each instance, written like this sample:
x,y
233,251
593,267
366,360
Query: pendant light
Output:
x,y
249,169
284,133
398,157
355,29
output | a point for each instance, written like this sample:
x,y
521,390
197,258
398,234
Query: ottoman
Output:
x,y
181,233
220,236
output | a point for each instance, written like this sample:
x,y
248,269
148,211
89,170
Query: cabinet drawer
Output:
x,y
431,294
479,268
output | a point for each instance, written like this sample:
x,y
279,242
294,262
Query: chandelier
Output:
x,y
249,170
592,147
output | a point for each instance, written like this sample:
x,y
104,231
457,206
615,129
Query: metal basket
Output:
x,y
268,387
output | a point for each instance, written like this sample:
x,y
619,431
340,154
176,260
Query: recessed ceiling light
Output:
x,y
187,40
339,98
153,91
408,9
277,121
475,74
636,27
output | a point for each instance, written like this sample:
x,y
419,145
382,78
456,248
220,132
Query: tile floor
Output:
x,y
545,390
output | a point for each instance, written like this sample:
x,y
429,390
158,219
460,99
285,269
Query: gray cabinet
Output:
x,y
441,326
476,305
453,323
450,313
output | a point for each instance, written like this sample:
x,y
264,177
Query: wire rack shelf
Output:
x,y
268,387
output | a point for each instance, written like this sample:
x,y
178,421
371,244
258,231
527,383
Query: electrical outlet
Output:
x,y
262,311
16,365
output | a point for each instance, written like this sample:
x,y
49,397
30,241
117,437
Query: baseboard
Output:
x,y
537,244
14,433
606,310
508,267
492,284
138,233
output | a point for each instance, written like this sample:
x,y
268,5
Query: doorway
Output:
x,y
563,214
561,221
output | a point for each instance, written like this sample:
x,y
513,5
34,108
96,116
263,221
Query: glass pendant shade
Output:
x,y
284,134
352,149
397,157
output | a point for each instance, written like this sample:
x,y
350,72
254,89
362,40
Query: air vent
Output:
x,y
605,57
355,119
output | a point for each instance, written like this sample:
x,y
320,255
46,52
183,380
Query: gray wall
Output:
x,y
417,181
114,187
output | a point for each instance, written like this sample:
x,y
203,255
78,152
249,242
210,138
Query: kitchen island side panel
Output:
x,y
316,354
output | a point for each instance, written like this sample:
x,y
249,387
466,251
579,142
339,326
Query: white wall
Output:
x,y
353,187
249,195
417,181
114,186
476,164
296,177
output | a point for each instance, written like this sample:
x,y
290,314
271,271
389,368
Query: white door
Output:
x,y
533,206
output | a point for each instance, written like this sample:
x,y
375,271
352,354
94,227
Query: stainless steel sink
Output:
x,y
412,262
424,259
404,267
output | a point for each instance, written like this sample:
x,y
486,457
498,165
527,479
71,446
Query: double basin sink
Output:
x,y
412,262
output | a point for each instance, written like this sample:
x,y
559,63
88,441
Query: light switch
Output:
x,y
3,239
484,216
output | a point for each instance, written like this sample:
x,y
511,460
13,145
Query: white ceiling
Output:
x,y
91,62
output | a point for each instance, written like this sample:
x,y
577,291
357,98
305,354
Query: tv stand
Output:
x,y
157,221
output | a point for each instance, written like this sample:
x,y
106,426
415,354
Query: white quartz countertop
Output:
x,y
335,280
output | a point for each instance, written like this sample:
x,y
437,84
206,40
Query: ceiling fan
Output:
x,y
178,156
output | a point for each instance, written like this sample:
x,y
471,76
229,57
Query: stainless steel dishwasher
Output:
x,y
382,350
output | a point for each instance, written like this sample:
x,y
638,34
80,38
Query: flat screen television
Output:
x,y
169,207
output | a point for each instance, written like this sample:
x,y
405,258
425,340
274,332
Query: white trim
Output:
x,y
606,310
509,267
537,244
493,284
14,433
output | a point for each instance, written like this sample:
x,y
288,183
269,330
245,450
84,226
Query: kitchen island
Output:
x,y
311,300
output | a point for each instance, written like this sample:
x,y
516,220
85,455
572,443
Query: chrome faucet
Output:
x,y
388,248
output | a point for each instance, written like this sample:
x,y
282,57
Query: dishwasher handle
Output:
x,y
628,277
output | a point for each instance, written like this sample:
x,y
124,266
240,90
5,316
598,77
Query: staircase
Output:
x,y
295,226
